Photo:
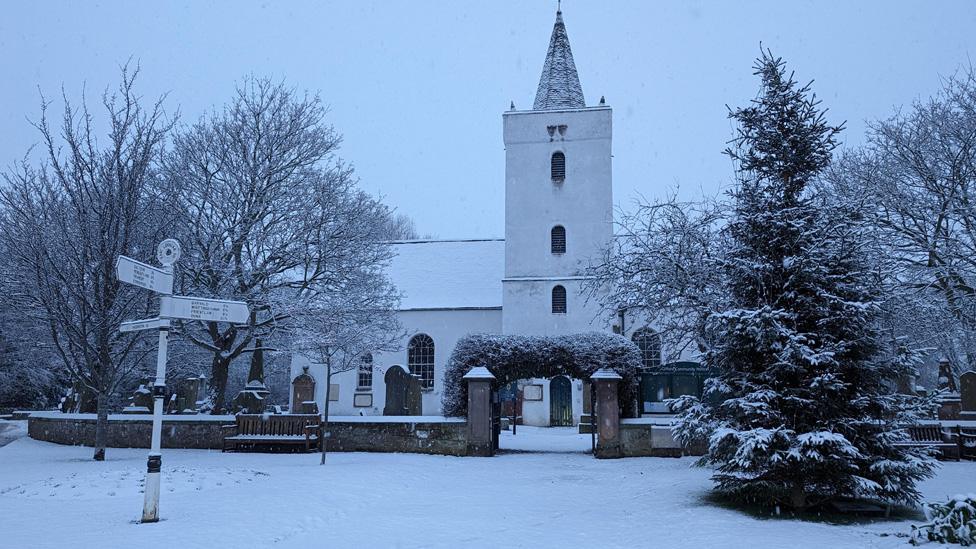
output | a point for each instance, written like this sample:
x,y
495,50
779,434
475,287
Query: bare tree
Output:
x,y
916,177
337,329
401,227
662,264
65,223
270,215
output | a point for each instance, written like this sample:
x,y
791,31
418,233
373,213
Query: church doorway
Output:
x,y
560,402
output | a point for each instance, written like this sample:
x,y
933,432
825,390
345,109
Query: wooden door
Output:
x,y
560,402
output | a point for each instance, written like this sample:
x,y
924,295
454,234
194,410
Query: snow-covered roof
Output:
x,y
559,86
449,274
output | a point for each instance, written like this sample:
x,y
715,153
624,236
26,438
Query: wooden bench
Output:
x,y
272,431
933,436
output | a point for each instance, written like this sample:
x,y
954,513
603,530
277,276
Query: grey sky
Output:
x,y
418,88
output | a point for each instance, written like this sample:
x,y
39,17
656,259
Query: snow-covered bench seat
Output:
x,y
272,431
934,436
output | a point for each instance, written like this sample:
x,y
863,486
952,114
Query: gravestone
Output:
x,y
188,395
947,381
141,401
69,402
403,395
967,389
79,399
253,399
303,393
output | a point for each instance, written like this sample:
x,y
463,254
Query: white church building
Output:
x,y
558,218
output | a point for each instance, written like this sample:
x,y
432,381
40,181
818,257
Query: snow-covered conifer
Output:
x,y
801,409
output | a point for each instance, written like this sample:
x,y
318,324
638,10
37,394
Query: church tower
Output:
x,y
558,201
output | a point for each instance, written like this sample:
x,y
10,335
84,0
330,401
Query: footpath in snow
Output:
x,y
55,497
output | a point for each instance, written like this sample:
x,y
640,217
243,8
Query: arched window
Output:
x,y
649,343
420,359
366,371
557,239
557,166
558,299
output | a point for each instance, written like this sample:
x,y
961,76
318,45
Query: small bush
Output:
x,y
951,522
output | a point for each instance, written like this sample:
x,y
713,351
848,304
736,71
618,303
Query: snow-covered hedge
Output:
x,y
511,358
950,522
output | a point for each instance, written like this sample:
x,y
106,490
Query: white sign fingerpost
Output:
x,y
198,308
145,276
160,280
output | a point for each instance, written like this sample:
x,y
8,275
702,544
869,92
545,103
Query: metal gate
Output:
x,y
560,402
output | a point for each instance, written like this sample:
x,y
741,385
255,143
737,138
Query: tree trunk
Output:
x,y
325,408
101,425
798,498
218,383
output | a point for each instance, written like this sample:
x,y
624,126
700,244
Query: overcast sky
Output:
x,y
418,87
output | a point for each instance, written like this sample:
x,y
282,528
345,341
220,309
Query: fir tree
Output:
x,y
800,411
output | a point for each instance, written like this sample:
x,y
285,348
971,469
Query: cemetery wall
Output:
x,y
129,431
649,437
414,434
411,434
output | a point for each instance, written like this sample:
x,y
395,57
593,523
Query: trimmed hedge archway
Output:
x,y
510,358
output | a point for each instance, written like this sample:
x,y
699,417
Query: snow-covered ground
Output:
x,y
55,496
545,439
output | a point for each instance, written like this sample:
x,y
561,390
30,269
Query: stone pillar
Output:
x,y
967,389
479,412
607,413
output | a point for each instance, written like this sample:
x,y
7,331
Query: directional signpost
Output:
x,y
148,324
198,308
160,280
145,276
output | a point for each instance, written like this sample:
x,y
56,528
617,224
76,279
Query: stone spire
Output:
x,y
559,86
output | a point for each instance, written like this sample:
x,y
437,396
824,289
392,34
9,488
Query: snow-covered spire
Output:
x,y
559,86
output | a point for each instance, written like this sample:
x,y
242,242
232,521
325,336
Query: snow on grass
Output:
x,y
55,496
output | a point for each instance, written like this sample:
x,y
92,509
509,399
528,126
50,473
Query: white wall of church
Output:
x,y
528,309
582,203
444,326
537,412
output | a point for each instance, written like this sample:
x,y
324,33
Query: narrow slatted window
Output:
x,y
558,300
557,239
420,359
558,167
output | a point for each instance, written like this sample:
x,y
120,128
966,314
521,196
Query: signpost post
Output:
x,y
160,280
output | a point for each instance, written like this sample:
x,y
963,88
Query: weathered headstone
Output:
x,y
967,389
188,395
141,401
69,402
253,399
403,395
303,393
947,382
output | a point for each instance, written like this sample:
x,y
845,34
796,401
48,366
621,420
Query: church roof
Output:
x,y
449,274
559,86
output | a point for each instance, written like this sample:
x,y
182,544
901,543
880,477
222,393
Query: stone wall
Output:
x,y
411,434
129,431
651,437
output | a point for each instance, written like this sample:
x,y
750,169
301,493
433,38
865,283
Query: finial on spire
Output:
x,y
559,6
